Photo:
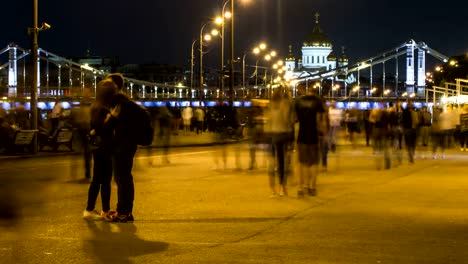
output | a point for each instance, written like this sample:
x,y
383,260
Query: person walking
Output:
x,y
309,110
410,123
187,115
380,135
165,120
336,117
281,129
101,136
200,116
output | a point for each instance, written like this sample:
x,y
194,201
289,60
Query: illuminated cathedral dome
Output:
x,y
317,37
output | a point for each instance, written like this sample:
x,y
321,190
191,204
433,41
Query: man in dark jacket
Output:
x,y
125,147
410,124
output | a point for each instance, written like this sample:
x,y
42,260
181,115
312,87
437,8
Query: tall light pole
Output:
x,y
34,31
231,68
222,46
255,51
192,62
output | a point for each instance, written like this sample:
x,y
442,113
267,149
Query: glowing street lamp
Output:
x,y
255,51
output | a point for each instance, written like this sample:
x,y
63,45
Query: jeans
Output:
x,y
410,141
324,147
123,164
102,177
380,146
424,133
280,141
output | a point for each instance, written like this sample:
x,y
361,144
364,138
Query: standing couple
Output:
x,y
115,146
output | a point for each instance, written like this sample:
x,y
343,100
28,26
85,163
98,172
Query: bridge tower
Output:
x,y
421,71
410,67
12,70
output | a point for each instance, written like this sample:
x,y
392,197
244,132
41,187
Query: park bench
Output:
x,y
63,136
23,140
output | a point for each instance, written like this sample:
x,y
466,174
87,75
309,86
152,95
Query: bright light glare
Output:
x,y
228,14
268,57
207,37
219,20
214,32
273,53
262,46
256,51
280,63
275,66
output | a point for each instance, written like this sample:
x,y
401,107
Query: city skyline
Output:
x,y
147,31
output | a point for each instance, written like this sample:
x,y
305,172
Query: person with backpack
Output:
x,y
132,127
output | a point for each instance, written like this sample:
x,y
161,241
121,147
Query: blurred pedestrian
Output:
x,y
55,116
309,111
336,117
410,122
437,136
380,119
81,121
200,118
187,115
164,135
280,126
353,122
425,122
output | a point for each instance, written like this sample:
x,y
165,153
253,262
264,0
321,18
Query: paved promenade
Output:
x,y
187,212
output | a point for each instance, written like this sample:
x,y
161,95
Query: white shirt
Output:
x,y
336,116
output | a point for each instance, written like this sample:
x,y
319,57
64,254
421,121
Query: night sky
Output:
x,y
153,31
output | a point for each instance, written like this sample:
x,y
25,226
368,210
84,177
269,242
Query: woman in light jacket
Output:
x,y
280,124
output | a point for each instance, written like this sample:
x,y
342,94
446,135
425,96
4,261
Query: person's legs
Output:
x,y
253,154
123,176
302,157
106,180
95,185
280,161
272,165
313,169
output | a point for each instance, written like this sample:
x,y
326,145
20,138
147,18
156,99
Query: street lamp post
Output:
x,y
231,69
34,31
222,46
192,62
34,56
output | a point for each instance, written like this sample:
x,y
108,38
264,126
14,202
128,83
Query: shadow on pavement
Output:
x,y
117,243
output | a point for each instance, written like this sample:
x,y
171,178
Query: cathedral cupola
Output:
x,y
317,37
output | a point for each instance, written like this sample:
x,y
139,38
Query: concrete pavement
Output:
x,y
186,212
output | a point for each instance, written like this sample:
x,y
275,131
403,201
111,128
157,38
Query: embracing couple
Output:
x,y
115,135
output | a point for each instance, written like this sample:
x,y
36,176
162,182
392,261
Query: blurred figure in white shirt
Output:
x,y
336,117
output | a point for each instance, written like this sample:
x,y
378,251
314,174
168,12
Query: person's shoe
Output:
x,y
312,192
122,218
273,195
106,215
93,215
